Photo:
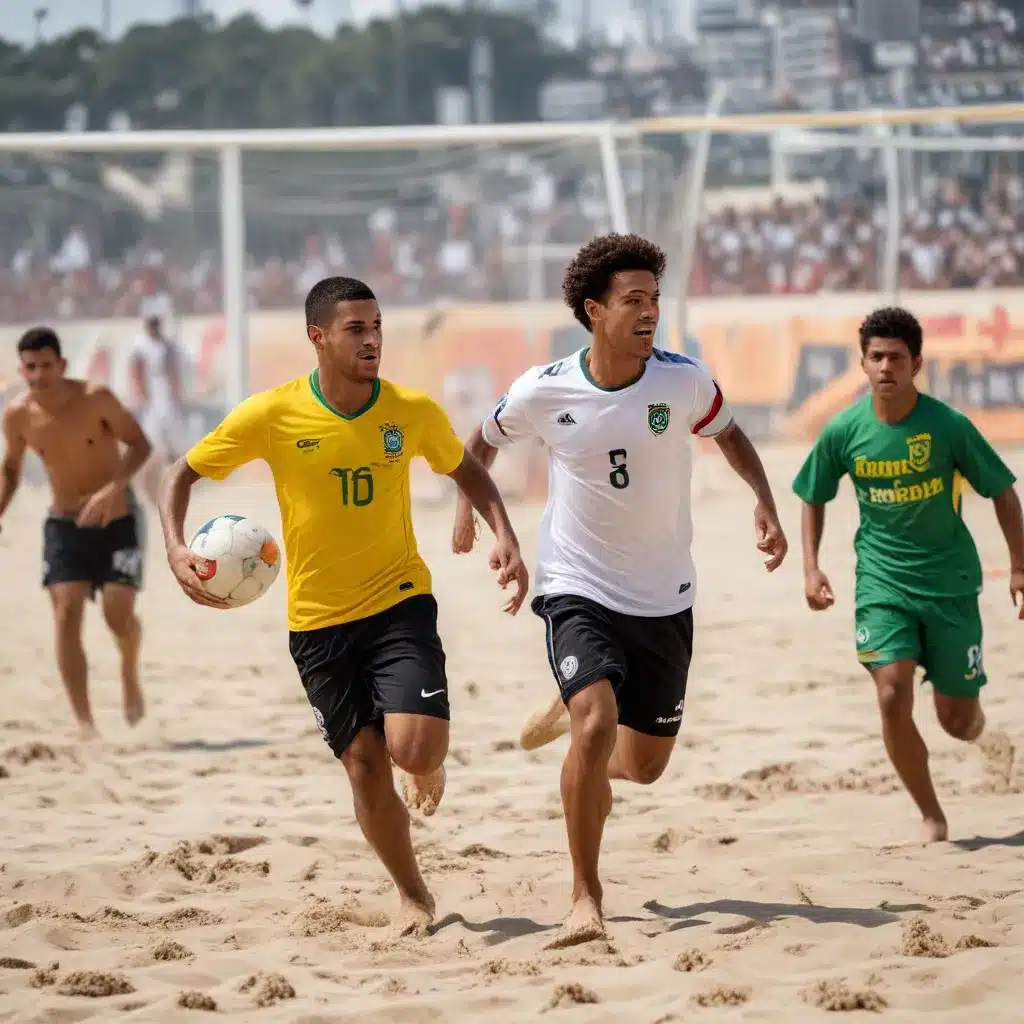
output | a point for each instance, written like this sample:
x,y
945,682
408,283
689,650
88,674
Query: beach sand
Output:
x,y
211,857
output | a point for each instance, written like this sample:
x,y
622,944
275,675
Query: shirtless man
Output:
x,y
92,537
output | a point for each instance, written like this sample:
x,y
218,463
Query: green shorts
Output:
x,y
943,635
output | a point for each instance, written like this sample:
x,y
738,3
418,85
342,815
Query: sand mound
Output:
x,y
267,988
722,995
193,1000
324,917
42,977
571,994
919,939
15,963
189,860
96,984
692,960
171,950
772,781
837,997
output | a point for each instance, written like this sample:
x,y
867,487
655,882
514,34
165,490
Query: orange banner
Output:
x,y
787,364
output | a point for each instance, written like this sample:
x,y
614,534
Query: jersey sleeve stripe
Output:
x,y
497,423
716,406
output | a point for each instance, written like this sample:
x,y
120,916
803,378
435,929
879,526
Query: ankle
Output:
x,y
417,893
590,890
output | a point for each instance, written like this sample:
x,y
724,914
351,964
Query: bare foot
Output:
x,y
423,792
415,916
545,726
584,924
134,705
934,830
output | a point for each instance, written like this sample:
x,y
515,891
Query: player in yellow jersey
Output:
x,y
361,617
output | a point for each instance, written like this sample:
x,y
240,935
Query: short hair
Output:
x,y
37,339
589,275
326,294
895,323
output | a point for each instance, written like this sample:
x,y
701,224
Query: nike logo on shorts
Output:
x,y
433,693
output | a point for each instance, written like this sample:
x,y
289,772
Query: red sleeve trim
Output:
x,y
716,406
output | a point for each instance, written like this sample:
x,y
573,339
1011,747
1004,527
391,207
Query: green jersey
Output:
x,y
909,482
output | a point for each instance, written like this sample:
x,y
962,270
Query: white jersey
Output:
x,y
156,360
160,417
617,528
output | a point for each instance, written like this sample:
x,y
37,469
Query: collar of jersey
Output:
x,y
590,380
314,386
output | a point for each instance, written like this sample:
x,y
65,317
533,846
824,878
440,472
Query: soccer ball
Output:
x,y
241,559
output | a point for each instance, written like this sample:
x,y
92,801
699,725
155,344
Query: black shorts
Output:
x,y
357,672
646,659
96,555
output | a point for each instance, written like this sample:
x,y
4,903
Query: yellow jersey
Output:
x,y
342,484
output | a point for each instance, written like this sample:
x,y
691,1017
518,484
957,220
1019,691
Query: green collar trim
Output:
x,y
314,385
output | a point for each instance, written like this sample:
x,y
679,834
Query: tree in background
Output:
x,y
194,73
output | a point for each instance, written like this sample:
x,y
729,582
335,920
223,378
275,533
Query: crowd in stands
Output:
x,y
948,239
448,244
480,242
980,36
951,237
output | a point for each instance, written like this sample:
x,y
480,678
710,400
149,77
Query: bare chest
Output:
x,y
75,442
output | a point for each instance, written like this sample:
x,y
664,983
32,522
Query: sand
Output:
x,y
210,858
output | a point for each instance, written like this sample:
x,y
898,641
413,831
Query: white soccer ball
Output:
x,y
241,559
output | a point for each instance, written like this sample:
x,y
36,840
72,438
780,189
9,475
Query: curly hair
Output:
x,y
892,322
589,275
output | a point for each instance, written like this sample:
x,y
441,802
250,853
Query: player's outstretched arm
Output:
x,y
477,486
817,588
175,492
746,463
1011,522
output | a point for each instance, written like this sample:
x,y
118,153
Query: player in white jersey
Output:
x,y
615,580
156,371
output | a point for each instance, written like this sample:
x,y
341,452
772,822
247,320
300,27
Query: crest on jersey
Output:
x,y
394,440
657,417
920,452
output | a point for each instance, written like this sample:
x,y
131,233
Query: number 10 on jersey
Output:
x,y
356,485
619,476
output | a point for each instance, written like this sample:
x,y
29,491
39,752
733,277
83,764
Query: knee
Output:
x,y
419,755
363,766
895,701
594,728
119,621
647,771
417,747
68,615
960,723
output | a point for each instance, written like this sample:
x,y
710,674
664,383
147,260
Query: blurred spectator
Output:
x,y
820,245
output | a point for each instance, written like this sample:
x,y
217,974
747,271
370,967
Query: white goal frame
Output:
x,y
230,146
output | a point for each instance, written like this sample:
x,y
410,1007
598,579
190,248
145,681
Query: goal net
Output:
x,y
464,243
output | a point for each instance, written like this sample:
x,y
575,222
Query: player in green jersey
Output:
x,y
918,573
